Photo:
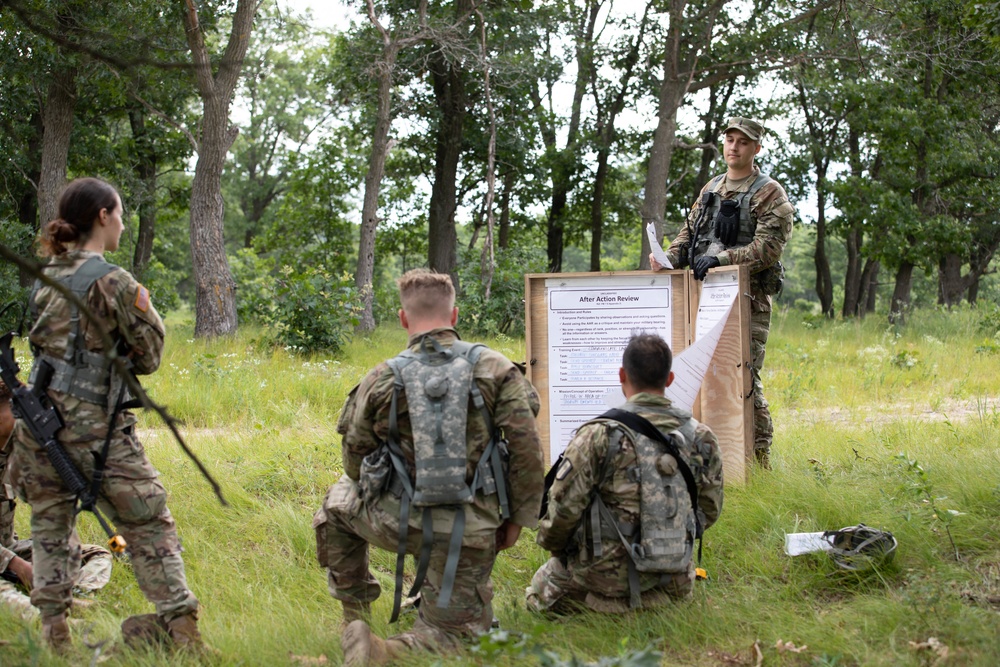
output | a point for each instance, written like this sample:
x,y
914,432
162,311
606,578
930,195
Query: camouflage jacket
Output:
x,y
364,425
570,494
122,309
770,210
8,538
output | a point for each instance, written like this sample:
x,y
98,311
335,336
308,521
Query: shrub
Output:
x,y
312,310
503,312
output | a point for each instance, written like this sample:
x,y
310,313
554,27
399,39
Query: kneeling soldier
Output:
x,y
630,496
441,459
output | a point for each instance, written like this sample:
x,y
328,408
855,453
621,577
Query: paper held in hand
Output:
x,y
657,249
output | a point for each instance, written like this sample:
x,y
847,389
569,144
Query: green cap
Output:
x,y
747,126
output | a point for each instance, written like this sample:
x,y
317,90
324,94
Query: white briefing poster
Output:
x,y
589,324
718,294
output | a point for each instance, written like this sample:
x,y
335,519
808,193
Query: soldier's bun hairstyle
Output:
x,y
80,205
426,293
647,361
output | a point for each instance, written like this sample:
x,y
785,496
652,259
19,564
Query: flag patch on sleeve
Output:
x,y
142,299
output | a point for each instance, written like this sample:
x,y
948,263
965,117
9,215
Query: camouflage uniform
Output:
x,y
572,578
772,214
346,524
132,495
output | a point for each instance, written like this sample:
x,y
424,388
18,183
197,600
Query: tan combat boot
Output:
x,y
364,649
144,630
55,633
184,631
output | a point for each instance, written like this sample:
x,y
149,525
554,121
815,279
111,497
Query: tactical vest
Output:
x,y
747,226
663,541
768,281
439,383
80,373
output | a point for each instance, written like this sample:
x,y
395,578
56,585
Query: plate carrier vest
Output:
x,y
439,383
80,373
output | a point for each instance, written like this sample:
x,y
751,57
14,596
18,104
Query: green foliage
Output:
x,y
308,309
503,312
19,239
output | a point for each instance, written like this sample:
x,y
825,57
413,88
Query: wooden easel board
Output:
x,y
593,315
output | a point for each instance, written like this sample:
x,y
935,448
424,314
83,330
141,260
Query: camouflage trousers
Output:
x,y
556,589
346,526
94,574
760,324
132,497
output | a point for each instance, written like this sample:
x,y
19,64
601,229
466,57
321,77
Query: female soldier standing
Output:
x,y
90,223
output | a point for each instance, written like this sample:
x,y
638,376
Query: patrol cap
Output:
x,y
747,126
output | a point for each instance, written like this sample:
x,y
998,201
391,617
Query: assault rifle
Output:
x,y
43,421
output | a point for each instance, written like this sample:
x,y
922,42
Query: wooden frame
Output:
x,y
725,401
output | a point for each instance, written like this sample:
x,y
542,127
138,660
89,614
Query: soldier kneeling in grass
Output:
x,y
15,554
632,493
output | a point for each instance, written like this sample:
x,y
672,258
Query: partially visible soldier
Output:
x,y
388,422
84,388
608,480
741,217
15,554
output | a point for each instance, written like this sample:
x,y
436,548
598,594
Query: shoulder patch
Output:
x,y
142,299
565,468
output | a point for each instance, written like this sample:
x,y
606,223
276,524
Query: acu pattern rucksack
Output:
x,y
663,542
439,383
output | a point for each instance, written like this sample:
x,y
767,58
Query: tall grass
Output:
x,y
848,398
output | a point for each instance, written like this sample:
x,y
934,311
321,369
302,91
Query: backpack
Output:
x,y
663,542
439,383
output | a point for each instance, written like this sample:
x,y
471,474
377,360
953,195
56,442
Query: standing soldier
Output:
x,y
441,459
741,217
632,492
97,434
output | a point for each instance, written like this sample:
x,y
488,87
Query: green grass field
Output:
x,y
848,400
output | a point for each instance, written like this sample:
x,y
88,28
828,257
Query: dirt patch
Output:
x,y
950,410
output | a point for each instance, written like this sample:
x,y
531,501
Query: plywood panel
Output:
x,y
726,400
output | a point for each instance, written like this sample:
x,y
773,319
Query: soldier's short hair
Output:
x,y
647,361
5,392
426,293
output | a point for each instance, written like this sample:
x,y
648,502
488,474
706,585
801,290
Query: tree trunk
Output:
x,y
364,277
852,275
565,161
57,120
27,195
672,92
597,207
215,289
679,61
853,279
451,99
824,283
503,235
869,286
973,293
145,171
901,293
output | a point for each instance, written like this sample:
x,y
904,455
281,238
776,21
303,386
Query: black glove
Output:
x,y
703,264
727,222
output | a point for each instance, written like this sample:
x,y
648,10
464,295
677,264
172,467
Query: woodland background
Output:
x,y
278,174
